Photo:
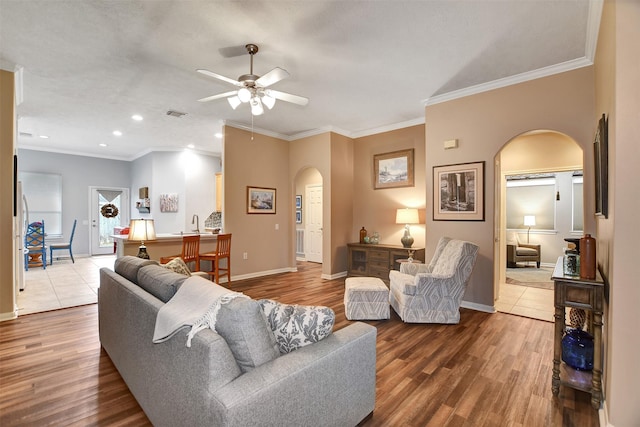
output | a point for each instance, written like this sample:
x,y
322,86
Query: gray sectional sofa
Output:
x,y
328,383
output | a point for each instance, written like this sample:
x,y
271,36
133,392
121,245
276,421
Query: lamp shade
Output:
x,y
142,230
407,216
529,220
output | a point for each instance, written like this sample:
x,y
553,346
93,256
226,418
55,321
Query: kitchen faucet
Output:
x,y
196,220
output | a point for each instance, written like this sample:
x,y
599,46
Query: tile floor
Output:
x,y
526,301
63,284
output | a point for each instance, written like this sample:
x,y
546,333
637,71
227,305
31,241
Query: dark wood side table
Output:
x,y
589,296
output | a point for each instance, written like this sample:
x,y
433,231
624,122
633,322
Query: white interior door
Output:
x,y
109,208
313,221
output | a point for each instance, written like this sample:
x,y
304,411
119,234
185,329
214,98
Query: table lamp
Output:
x,y
529,221
407,216
142,229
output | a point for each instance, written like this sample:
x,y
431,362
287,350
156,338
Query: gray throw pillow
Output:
x,y
244,327
296,326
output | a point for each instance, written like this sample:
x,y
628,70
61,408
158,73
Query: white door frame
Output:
x,y
124,212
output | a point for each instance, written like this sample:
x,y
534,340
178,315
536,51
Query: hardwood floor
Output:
x,y
489,370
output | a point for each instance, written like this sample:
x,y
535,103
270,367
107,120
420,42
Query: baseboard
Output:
x,y
478,307
264,273
8,316
333,276
301,258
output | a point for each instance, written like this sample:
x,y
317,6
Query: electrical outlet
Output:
x,y
277,226
245,255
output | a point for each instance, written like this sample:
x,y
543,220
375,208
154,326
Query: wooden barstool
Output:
x,y
223,251
190,252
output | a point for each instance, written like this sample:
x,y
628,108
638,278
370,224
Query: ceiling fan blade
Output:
x,y
283,96
218,96
219,77
233,51
273,76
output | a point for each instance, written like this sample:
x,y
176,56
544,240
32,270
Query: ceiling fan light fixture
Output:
x,y
234,101
268,101
256,106
244,94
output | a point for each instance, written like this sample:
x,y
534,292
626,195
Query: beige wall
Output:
x,y
538,152
617,78
376,209
342,191
315,152
483,123
7,141
261,162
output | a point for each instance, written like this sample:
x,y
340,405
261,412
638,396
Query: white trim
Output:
x,y
603,415
9,315
478,307
388,128
333,276
573,64
264,273
593,27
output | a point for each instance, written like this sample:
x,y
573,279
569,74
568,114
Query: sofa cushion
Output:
x,y
159,281
296,326
128,266
178,265
243,325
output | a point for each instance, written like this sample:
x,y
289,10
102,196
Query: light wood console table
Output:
x,y
589,296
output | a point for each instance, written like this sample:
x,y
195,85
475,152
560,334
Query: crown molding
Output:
x,y
573,64
593,28
389,128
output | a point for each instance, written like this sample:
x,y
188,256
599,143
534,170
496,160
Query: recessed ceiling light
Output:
x,y
102,144
44,137
117,133
137,117
218,135
191,146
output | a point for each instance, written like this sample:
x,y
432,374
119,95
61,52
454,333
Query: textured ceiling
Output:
x,y
87,66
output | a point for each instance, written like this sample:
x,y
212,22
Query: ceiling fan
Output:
x,y
254,89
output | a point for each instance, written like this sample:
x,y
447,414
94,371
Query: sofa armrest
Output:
x,y
329,383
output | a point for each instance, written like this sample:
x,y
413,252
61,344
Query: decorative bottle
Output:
x,y
363,234
588,257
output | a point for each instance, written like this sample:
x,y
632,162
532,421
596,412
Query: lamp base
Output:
x,y
406,240
142,252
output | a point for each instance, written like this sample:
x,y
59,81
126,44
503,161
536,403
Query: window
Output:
x,y
43,192
531,197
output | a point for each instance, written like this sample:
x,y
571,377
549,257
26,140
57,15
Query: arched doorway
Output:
x,y
308,218
542,173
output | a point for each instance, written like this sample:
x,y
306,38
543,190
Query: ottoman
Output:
x,y
366,298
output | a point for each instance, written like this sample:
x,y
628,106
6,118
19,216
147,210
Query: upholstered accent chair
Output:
x,y
521,252
432,293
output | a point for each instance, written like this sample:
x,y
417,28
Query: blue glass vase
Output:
x,y
577,349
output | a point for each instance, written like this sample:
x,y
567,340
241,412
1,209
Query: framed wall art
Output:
x,y
458,192
601,158
395,169
169,202
261,200
299,201
298,217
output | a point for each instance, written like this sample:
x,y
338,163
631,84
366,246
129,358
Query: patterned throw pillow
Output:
x,y
296,326
179,266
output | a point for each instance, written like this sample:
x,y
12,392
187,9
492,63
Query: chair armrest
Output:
x,y
530,246
427,281
413,268
405,282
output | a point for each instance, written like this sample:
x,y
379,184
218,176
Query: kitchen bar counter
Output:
x,y
166,244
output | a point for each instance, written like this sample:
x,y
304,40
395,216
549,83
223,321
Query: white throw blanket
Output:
x,y
196,304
